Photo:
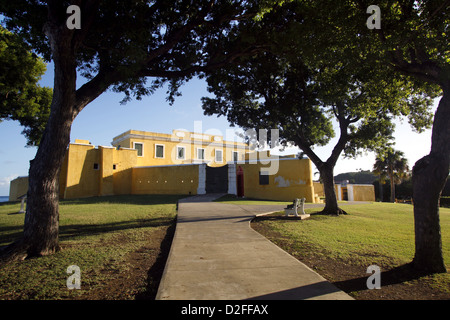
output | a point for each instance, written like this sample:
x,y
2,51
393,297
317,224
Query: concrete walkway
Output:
x,y
215,255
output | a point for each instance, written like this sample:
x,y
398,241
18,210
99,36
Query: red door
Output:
x,y
240,182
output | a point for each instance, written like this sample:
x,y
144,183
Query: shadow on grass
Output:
x,y
155,273
7,203
67,232
116,199
393,276
9,234
127,199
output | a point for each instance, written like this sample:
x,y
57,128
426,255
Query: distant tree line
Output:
x,y
402,190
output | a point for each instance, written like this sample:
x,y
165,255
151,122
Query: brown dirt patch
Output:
x,y
145,267
397,282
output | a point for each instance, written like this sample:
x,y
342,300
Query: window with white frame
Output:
x,y
235,156
200,154
181,153
139,146
219,155
159,151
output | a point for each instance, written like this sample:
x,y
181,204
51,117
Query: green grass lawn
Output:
x,y
377,233
97,234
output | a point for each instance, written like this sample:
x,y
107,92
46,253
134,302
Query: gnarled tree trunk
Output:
x,y
41,226
429,176
331,204
42,216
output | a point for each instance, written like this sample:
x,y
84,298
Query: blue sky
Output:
x,y
106,118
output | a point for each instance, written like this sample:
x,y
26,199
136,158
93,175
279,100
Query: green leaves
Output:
x,y
21,98
322,62
392,164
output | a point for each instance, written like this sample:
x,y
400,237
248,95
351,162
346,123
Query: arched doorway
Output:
x,y
240,181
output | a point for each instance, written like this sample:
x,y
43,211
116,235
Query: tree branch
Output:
x,y
89,10
230,58
302,144
175,36
92,89
343,138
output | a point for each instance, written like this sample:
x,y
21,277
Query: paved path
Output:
x,y
215,255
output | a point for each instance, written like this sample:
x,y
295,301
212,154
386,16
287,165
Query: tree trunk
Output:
x,y
41,226
331,204
392,188
380,189
429,176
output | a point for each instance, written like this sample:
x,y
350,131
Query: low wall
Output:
x,y
290,179
171,179
18,187
363,192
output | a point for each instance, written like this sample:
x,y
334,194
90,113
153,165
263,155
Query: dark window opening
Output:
x,y
263,177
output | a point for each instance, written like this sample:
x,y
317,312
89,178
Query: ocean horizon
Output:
x,y
4,198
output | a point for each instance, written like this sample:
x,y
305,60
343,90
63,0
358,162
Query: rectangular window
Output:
x,y
181,153
200,154
159,151
263,177
235,156
139,147
95,166
219,155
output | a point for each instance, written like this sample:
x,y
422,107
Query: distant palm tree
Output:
x,y
392,165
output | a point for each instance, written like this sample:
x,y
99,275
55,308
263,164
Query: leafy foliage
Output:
x,y
21,98
305,80
393,165
129,43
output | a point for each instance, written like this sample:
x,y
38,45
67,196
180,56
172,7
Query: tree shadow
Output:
x,y
9,234
127,199
397,275
154,274
138,199
276,217
67,232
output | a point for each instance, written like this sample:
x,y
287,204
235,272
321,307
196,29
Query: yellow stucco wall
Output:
x,y
363,193
318,189
106,179
293,179
124,161
111,175
190,141
82,179
88,171
17,188
165,180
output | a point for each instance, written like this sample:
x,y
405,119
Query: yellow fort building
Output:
x,y
140,162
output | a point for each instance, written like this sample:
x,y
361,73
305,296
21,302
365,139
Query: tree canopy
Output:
x,y
286,88
393,165
21,97
134,47
123,44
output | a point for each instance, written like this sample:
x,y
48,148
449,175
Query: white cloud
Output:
x,y
4,181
